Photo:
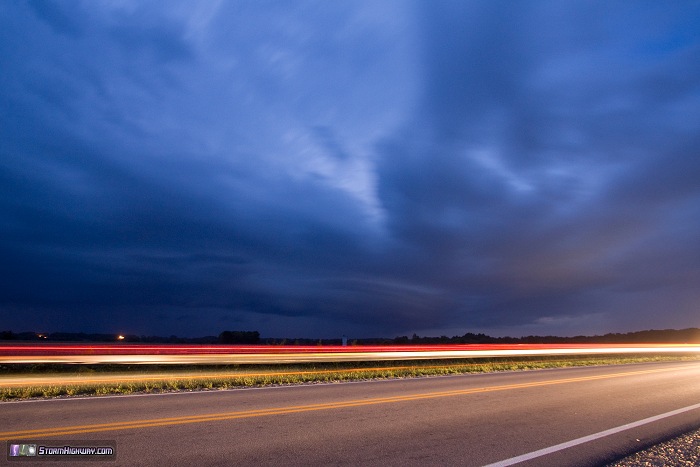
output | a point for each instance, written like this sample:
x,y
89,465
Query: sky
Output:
x,y
369,168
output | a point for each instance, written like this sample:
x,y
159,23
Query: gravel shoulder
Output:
x,y
681,451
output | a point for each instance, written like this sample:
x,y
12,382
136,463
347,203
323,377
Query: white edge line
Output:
x,y
585,439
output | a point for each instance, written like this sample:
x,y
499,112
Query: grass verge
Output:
x,y
44,381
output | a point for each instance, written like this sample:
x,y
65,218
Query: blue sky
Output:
x,y
369,168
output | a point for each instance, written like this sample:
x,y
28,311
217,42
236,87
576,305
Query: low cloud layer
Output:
x,y
370,169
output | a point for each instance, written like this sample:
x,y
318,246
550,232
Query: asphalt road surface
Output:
x,y
561,417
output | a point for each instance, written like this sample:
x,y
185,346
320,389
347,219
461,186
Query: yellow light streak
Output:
x,y
267,358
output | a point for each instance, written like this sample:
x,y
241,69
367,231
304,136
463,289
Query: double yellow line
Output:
x,y
158,422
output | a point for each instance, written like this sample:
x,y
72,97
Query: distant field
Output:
x,y
22,381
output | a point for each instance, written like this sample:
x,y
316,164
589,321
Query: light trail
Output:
x,y
226,354
126,378
80,379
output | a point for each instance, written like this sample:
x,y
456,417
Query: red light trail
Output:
x,y
238,354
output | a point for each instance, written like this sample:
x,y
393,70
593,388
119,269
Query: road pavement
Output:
x,y
453,420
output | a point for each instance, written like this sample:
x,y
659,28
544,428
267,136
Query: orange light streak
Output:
x,y
203,354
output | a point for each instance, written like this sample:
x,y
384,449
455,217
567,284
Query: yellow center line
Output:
x,y
135,424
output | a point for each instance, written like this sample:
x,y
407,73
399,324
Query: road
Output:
x,y
455,420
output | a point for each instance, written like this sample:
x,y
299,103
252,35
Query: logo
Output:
x,y
22,450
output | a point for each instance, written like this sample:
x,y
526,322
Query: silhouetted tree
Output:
x,y
239,337
7,335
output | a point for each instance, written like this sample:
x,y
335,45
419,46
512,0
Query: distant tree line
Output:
x,y
226,337
239,337
665,336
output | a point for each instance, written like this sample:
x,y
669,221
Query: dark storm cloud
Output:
x,y
551,162
369,169
93,220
